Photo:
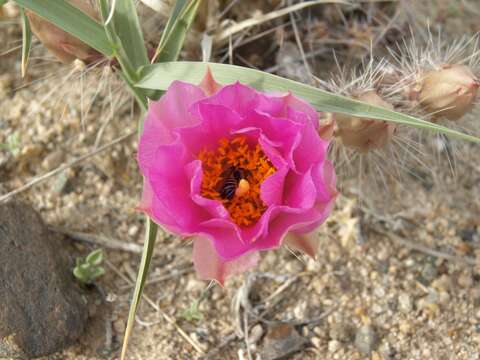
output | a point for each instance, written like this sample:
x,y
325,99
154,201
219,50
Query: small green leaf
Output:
x,y
95,257
193,312
26,42
160,76
72,20
79,274
97,272
88,270
85,267
12,145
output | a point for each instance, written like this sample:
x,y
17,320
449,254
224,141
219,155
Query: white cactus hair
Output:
x,y
434,49
377,167
430,52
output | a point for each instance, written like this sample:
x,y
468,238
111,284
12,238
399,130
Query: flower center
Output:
x,y
233,174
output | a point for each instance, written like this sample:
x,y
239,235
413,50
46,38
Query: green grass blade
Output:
x,y
71,20
128,29
160,76
176,30
176,11
150,237
26,42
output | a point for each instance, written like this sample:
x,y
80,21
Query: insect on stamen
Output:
x,y
234,183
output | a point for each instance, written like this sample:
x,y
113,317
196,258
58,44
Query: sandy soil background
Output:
x,y
397,275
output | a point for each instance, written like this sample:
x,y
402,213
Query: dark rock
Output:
x,y
469,234
282,341
41,309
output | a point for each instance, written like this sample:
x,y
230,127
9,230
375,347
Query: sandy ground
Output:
x,y
396,276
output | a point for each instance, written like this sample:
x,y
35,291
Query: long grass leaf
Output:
x,y
160,76
150,237
128,29
72,20
26,42
175,32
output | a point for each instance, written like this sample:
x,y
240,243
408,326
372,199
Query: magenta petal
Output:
x,y
300,191
271,190
154,208
210,266
216,122
213,207
301,106
306,243
171,185
237,97
165,115
324,178
312,149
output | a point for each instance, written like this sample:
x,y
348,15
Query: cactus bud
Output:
x,y
64,46
448,92
364,134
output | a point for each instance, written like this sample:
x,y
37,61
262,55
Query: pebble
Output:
x,y
366,339
133,230
405,303
429,273
341,332
53,160
256,334
333,346
119,326
405,327
465,280
317,342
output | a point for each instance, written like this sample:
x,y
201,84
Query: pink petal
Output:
x,y
300,191
165,115
213,207
210,266
168,177
150,205
306,243
324,178
216,122
312,149
271,190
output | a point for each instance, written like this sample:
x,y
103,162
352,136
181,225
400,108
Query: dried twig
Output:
x,y
42,178
426,250
238,27
101,241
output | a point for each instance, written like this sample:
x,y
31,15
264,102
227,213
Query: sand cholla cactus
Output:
x,y
448,92
64,46
362,135
438,79
365,134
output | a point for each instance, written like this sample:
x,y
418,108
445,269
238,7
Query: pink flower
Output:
x,y
236,169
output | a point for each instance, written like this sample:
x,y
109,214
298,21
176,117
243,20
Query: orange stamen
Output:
x,y
246,206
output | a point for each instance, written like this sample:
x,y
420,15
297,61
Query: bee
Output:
x,y
231,178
